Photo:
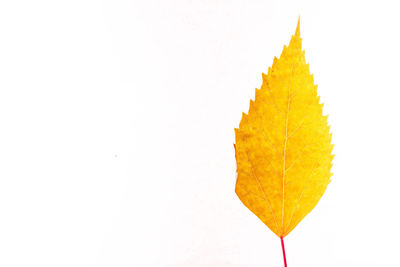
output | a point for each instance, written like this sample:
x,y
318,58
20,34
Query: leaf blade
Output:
x,y
285,143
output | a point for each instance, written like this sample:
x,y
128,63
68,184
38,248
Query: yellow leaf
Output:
x,y
283,145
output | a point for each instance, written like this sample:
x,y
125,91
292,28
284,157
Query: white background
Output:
x,y
116,131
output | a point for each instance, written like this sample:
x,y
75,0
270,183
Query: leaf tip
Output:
x,y
298,27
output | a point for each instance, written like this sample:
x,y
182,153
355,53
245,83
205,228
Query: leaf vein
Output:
x,y
260,187
302,191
